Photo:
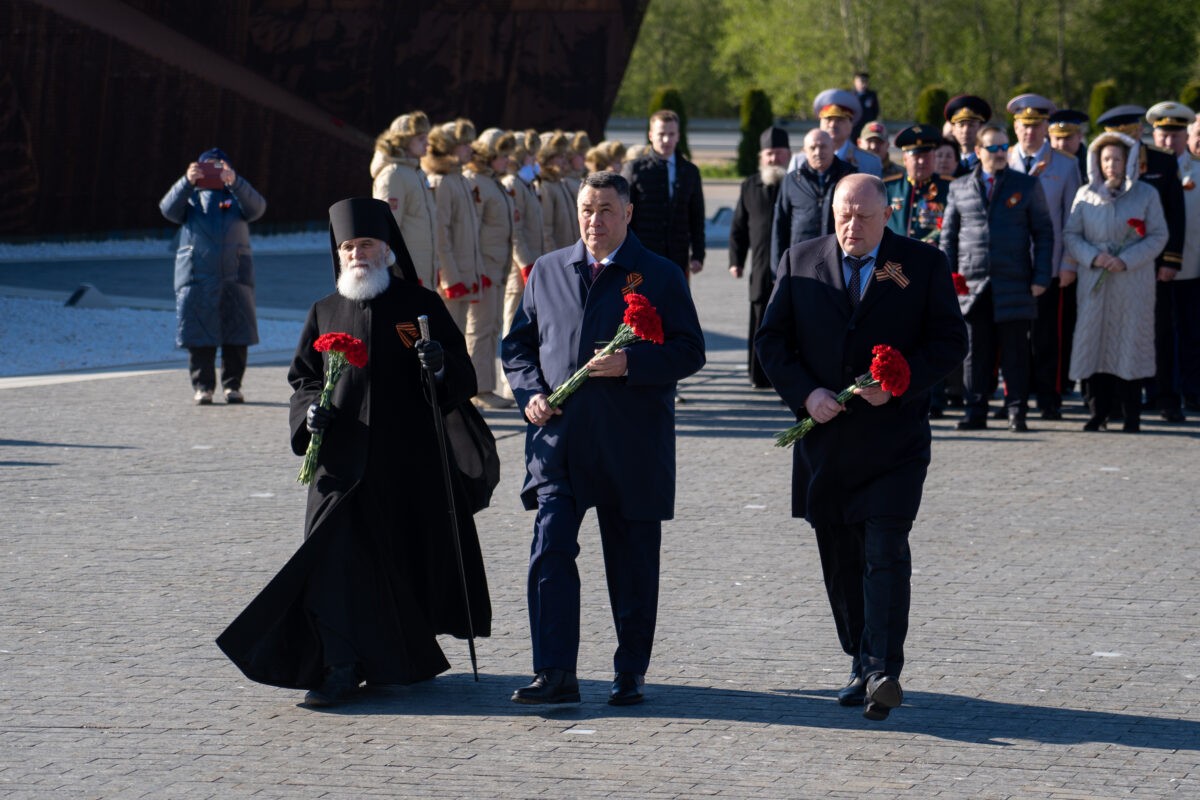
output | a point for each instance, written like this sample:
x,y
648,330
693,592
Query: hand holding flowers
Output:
x,y
343,350
889,377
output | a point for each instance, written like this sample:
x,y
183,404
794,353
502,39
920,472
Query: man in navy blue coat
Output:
x,y
857,477
610,446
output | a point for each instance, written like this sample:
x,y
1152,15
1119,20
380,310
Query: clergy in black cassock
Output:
x,y
376,578
750,232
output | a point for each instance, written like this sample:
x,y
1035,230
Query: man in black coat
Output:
x,y
667,197
751,232
804,209
857,477
376,578
997,232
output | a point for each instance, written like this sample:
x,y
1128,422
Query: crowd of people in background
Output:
x,y
477,209
1076,264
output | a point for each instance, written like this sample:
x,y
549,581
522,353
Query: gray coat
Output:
x,y
1114,331
989,242
214,271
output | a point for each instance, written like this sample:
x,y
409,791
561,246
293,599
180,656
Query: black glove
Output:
x,y
431,355
318,419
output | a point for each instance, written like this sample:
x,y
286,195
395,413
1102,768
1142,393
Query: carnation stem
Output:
x,y
625,335
804,427
337,363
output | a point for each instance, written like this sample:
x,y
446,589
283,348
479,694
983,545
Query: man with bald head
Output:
x,y
857,477
804,208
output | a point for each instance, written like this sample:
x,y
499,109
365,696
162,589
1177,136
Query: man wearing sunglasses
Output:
x,y
997,233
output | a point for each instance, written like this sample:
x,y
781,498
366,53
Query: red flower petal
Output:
x,y
960,283
890,368
643,318
352,348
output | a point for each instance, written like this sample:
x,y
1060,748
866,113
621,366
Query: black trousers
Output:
x,y
1050,345
868,568
202,366
1165,387
757,376
987,338
1187,329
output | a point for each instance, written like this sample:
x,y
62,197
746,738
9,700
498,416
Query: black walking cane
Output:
x,y
440,426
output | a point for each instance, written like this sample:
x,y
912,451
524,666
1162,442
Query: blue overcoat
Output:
x,y
615,440
214,271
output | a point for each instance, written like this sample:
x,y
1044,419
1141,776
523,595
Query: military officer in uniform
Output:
x,y
918,197
1159,169
966,114
1170,121
1058,175
1067,128
838,110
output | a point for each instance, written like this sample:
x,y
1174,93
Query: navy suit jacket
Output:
x,y
615,440
869,460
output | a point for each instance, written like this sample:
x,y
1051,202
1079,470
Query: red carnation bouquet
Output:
x,y
889,370
1138,228
642,324
344,350
960,284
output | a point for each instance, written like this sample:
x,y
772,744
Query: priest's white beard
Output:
x,y
361,279
771,175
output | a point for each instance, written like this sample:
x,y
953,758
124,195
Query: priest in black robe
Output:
x,y
376,578
750,233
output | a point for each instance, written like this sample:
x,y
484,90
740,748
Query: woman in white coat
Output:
x,y
1115,231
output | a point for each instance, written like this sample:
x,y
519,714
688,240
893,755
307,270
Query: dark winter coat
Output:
x,y
804,210
750,232
615,440
869,460
1005,244
214,271
671,225
379,490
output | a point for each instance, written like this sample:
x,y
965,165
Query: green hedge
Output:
x,y
756,116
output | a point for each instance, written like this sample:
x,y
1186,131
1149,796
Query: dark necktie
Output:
x,y
855,288
991,181
596,268
1028,164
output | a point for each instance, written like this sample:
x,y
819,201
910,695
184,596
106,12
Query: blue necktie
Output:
x,y
855,288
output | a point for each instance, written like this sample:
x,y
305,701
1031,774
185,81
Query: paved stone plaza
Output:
x,y
1054,650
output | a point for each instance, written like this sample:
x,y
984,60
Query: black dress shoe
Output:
x,y
341,680
626,689
1051,414
1173,415
549,686
971,424
854,693
1096,424
1016,423
883,694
